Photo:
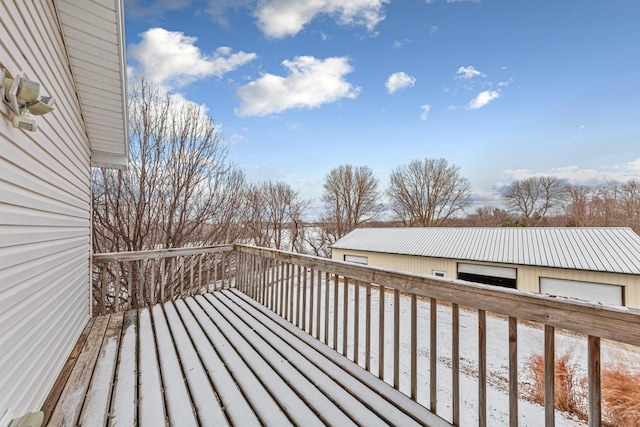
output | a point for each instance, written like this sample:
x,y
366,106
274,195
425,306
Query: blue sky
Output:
x,y
502,89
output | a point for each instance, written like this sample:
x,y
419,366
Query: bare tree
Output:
x,y
276,216
427,193
578,209
490,216
351,198
533,198
179,188
630,203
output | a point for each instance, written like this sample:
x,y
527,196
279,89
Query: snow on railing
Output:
x,y
126,280
428,336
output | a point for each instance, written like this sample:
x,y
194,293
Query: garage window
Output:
x,y
357,259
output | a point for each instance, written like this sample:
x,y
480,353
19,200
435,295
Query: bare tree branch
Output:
x,y
427,193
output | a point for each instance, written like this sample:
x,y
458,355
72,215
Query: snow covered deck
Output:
x,y
218,359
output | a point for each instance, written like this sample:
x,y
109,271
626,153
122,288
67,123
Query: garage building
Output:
x,y
598,264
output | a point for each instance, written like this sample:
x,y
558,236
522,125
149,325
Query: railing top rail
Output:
x,y
158,253
616,323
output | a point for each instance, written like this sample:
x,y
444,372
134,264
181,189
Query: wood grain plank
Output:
x,y
125,393
72,398
97,402
54,395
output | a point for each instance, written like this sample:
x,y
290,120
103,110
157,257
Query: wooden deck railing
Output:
x,y
356,310
323,296
126,280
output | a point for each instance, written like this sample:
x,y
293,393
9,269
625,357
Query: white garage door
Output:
x,y
487,270
606,294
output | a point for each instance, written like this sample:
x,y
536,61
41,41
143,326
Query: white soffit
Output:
x,y
93,32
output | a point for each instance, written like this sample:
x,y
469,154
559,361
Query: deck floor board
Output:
x,y
220,359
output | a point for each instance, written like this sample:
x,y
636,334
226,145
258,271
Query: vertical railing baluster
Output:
x,y
215,271
224,269
482,368
182,276
292,276
345,316
455,362
336,280
433,355
104,290
152,285
116,290
513,372
286,292
191,279
396,339
356,320
172,267
129,284
303,314
311,295
414,347
549,375
298,294
162,279
593,371
200,274
367,326
318,305
381,334
326,307
141,285
281,289
208,272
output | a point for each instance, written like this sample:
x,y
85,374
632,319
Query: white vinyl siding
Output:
x,y
44,214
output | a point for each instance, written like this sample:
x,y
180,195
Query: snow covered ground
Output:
x,y
530,342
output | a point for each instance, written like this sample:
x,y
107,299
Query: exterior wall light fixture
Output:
x,y
23,96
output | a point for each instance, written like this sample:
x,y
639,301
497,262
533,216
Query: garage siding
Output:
x,y
45,195
528,277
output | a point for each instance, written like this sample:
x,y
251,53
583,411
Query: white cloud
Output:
x,y
399,80
425,111
577,176
282,18
171,59
397,44
311,82
483,99
468,72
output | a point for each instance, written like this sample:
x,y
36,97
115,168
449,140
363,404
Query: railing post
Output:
x,y
116,290
482,368
455,362
549,376
104,289
224,267
345,316
414,347
356,319
595,402
513,372
433,355
381,333
396,339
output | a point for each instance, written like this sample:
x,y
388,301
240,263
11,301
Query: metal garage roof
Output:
x,y
607,249
94,36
